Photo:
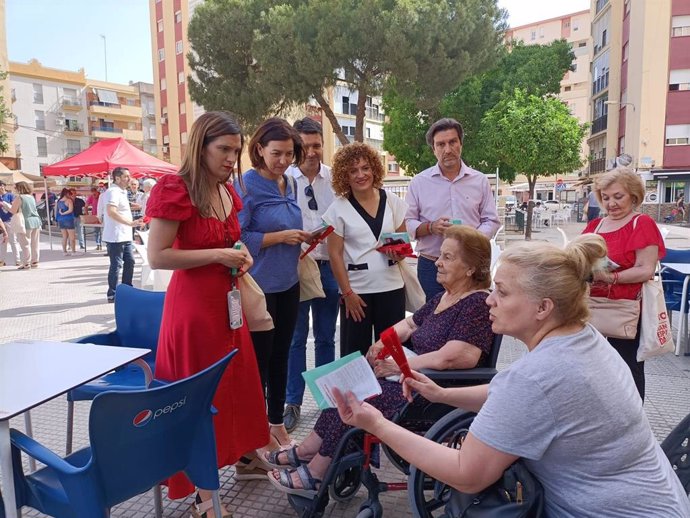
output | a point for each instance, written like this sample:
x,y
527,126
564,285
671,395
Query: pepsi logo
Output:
x,y
142,418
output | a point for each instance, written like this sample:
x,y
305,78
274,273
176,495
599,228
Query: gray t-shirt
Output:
x,y
571,410
592,200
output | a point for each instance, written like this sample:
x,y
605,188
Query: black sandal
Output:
x,y
294,461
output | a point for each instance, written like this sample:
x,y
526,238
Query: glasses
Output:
x,y
309,191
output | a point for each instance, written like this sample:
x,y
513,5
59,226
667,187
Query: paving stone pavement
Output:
x,y
65,298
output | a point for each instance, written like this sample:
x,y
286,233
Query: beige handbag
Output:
x,y
414,294
17,223
615,318
310,286
254,304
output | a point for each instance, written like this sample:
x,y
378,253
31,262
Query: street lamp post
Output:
x,y
105,56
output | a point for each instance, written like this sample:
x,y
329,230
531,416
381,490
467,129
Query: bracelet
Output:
x,y
346,295
615,278
428,227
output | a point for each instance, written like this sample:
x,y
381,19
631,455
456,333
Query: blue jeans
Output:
x,y
79,230
121,258
426,273
325,313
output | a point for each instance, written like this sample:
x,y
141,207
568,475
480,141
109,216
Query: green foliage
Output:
x,y
534,135
5,116
258,58
537,69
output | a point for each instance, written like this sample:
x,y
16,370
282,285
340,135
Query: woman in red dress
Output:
x,y
194,228
634,243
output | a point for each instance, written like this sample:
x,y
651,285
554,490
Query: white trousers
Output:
x,y
29,245
14,245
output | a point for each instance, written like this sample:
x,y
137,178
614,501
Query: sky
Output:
x,y
66,34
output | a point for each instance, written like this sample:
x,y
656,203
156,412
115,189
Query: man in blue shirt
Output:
x,y
6,216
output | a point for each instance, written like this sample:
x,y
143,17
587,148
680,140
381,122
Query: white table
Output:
x,y
84,226
683,269
33,372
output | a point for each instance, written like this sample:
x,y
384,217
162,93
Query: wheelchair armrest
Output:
x,y
99,339
39,452
476,374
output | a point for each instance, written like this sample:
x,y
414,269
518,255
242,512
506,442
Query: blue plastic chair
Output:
x,y
672,282
137,439
138,315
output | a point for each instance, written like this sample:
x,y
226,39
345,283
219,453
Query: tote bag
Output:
x,y
310,286
254,304
656,337
414,294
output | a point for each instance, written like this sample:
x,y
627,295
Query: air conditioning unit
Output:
x,y
166,149
164,120
647,162
93,119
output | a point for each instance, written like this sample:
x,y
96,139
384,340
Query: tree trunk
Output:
x,y
361,114
323,102
531,183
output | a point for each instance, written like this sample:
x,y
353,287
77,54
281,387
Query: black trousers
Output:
x,y
628,351
272,349
382,311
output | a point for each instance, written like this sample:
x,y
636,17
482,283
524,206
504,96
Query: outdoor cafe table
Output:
x,y
33,372
683,269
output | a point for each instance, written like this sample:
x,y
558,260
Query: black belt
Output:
x,y
356,267
321,262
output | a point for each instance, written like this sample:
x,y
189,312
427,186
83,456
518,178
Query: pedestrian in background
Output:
x,y
29,239
593,208
64,216
11,238
92,208
79,207
314,196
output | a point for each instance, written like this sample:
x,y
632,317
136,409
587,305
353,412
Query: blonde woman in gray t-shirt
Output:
x,y
569,407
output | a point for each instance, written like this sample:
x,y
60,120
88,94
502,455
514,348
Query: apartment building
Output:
x,y
641,93
114,111
575,90
148,121
50,114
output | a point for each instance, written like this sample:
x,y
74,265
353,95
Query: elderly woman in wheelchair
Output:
x,y
451,331
568,408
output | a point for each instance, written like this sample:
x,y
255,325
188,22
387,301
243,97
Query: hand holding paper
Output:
x,y
317,236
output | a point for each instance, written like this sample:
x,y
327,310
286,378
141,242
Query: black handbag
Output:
x,y
517,494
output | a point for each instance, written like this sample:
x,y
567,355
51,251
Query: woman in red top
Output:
x,y
194,228
634,243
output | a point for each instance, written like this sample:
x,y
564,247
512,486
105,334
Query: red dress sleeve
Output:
x,y
170,200
646,233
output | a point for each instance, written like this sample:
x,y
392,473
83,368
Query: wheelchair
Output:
x,y
429,497
359,452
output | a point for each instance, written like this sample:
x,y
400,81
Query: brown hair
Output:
x,y
274,129
345,159
207,128
627,178
475,249
444,125
562,275
23,188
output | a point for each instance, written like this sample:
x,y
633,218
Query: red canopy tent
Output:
x,y
105,155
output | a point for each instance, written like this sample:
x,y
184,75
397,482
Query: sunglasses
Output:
x,y
309,191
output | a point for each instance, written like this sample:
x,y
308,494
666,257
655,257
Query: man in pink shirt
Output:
x,y
449,193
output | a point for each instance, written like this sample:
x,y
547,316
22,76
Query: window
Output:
x,y
40,119
346,105
183,137
178,17
38,93
166,139
180,78
131,102
533,35
393,167
575,26
582,44
603,37
672,190
567,89
164,111
73,146
183,108
541,32
573,67
70,93
42,144
72,125
161,54
178,47
621,145
160,25
566,25
678,135
349,130
680,26
164,84
679,80
132,125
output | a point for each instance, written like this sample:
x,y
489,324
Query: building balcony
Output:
x,y
375,143
73,130
114,111
105,132
375,115
599,124
71,103
601,83
598,165
133,135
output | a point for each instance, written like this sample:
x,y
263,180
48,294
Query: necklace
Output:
x,y
224,221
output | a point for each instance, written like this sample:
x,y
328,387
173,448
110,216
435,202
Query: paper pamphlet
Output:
x,y
350,373
394,238
409,353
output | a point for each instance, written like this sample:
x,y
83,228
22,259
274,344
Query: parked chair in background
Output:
x,y
138,315
137,439
672,283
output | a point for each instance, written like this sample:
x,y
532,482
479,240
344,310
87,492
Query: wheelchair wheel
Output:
x,y
429,496
346,484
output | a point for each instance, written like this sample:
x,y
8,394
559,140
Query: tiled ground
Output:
x,y
65,298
